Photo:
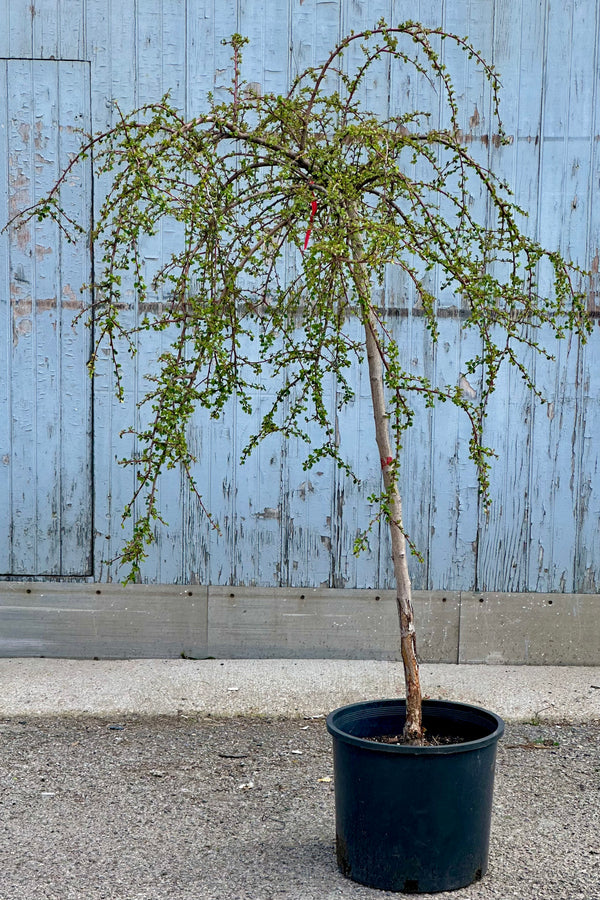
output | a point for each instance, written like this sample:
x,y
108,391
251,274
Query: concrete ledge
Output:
x,y
534,629
283,687
315,623
107,621
104,621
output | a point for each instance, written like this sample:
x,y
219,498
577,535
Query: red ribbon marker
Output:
x,y
313,210
387,462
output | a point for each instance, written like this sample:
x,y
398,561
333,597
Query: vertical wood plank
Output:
x,y
45,325
48,494
226,15
112,29
46,26
22,278
452,518
587,509
357,442
200,55
5,32
18,29
173,60
265,64
149,57
555,475
504,545
543,533
6,515
315,30
72,39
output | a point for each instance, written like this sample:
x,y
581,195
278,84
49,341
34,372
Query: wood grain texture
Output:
x,y
46,504
282,525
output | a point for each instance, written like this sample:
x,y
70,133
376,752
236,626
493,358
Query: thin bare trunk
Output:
x,y
413,729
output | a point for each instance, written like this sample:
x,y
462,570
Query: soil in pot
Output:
x,y
429,740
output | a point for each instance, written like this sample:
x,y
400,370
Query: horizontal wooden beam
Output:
x,y
108,621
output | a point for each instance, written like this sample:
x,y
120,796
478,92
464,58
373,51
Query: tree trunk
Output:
x,y
413,728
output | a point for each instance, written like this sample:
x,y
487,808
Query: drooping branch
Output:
x,y
245,301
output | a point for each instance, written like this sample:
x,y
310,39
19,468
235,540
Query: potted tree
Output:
x,y
290,210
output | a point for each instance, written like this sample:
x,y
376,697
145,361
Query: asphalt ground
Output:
x,y
102,796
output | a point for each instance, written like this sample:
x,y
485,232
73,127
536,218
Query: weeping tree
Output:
x,y
291,209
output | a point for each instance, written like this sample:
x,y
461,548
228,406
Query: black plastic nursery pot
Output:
x,y
413,819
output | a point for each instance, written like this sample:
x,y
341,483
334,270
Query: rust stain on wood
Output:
x,y
24,130
41,251
468,138
70,298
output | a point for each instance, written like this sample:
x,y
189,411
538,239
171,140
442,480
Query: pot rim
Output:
x,y
454,711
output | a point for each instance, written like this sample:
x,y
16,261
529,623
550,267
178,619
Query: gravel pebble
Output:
x,y
217,809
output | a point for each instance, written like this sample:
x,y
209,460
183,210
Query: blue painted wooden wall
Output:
x,y
62,63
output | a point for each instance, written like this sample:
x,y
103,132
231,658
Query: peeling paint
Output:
x,y
497,139
44,304
23,327
467,389
269,513
40,139
72,301
48,387
451,484
306,487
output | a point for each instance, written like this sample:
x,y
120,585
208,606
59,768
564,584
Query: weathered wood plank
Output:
x,y
19,298
503,546
452,520
45,330
553,485
72,36
6,338
545,517
46,26
73,340
49,408
17,34
200,56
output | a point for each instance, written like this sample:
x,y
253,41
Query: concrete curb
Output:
x,y
283,687
142,621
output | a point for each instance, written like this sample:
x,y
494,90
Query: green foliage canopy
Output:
x,y
242,296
